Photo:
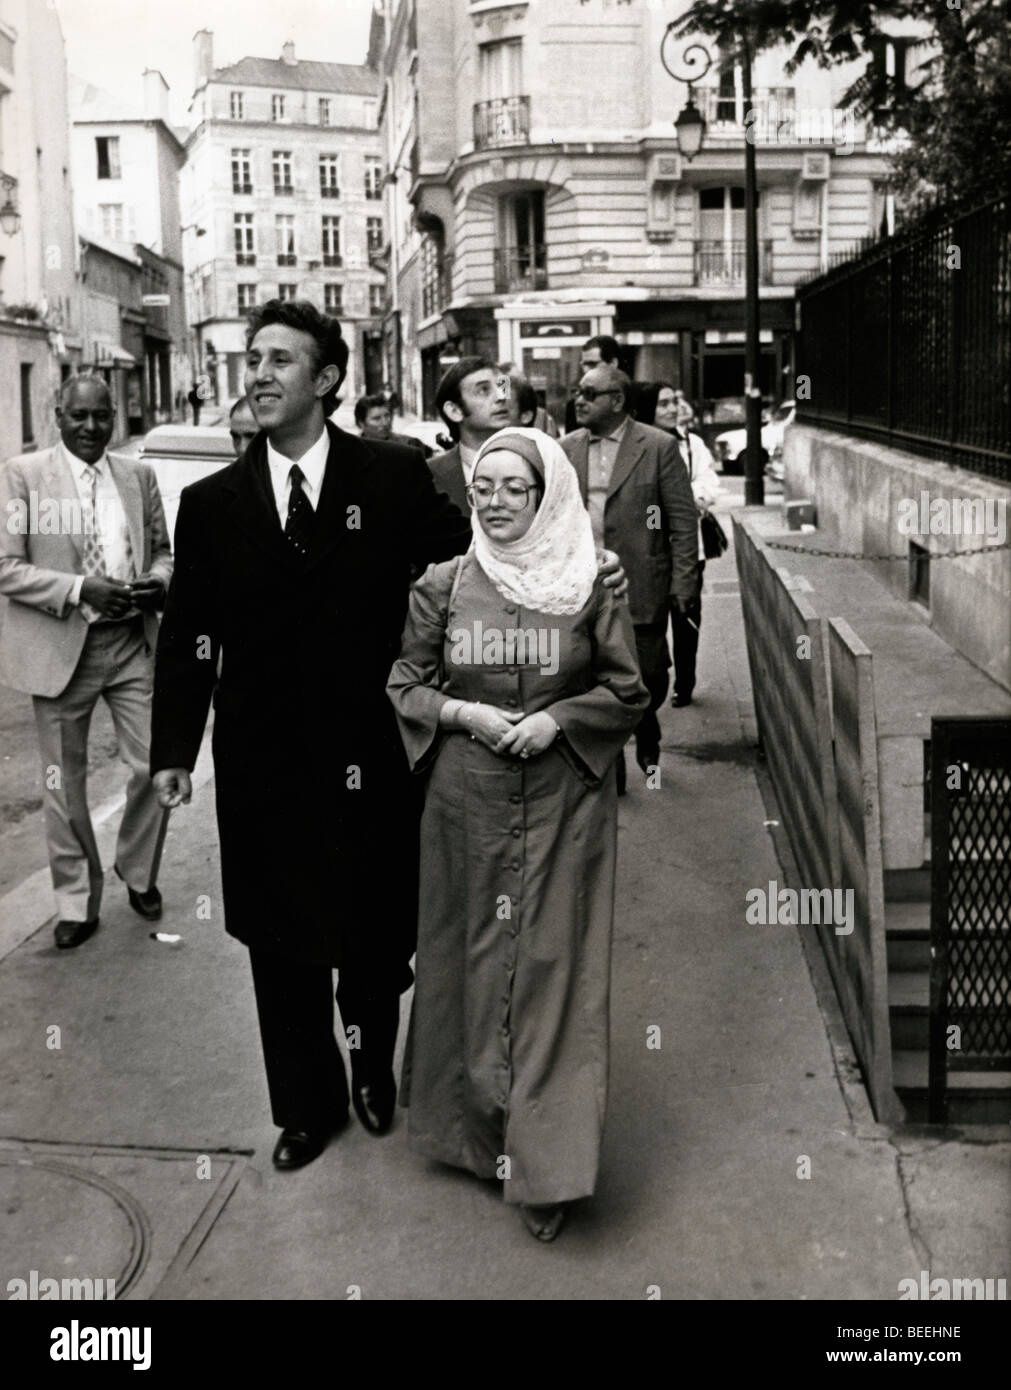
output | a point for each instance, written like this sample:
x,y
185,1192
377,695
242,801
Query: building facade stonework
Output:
x,y
283,197
40,317
539,195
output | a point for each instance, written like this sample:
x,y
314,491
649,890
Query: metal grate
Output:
x,y
970,920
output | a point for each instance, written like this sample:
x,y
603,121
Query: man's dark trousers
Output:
x,y
686,640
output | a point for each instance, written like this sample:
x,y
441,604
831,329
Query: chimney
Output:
x,y
203,57
288,54
156,96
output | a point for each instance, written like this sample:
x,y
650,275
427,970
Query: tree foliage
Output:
x,y
953,111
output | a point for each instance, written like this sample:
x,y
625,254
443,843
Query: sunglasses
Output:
x,y
590,393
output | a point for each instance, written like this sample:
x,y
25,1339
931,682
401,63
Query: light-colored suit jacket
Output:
x,y
41,551
649,518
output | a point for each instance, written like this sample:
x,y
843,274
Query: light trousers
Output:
x,y
116,665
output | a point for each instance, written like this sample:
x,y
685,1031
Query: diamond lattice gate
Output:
x,y
970,915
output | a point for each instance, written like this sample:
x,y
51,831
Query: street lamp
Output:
x,y
10,218
690,124
691,128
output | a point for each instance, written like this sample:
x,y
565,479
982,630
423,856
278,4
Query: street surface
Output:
x,y
139,1148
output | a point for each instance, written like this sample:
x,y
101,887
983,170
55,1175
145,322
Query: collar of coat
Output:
x,y
255,511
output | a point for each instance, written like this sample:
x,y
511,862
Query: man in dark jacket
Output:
x,y
294,565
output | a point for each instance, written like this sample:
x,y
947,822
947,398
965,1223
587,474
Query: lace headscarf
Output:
x,y
552,568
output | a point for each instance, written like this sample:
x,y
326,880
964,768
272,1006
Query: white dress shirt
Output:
x,y
313,466
111,526
702,474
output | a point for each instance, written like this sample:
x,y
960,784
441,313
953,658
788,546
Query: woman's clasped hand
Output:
x,y
509,733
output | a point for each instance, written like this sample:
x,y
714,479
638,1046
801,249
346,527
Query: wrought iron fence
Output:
x,y
505,121
909,341
723,262
970,919
521,268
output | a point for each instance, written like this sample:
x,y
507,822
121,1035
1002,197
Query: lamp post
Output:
x,y
10,218
691,129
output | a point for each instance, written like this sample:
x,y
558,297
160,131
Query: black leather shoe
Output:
x,y
297,1147
374,1104
147,904
73,933
679,701
647,758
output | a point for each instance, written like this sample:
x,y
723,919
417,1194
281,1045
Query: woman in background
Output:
x,y
506,1068
674,415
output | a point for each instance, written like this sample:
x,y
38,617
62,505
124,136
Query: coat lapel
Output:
x,y
345,461
579,457
124,475
629,453
253,510
59,479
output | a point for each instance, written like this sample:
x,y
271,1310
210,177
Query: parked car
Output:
x,y
731,445
717,416
180,455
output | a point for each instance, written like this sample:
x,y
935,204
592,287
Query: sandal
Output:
x,y
543,1222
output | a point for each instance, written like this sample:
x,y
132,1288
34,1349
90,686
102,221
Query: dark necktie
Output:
x,y
298,528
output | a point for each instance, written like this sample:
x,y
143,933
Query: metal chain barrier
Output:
x,y
858,555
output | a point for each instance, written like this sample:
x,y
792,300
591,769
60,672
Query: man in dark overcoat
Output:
x,y
294,565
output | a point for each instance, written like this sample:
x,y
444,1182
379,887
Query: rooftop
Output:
x,y
348,78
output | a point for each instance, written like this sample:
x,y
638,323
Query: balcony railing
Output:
x,y
505,121
523,268
721,263
724,114
329,190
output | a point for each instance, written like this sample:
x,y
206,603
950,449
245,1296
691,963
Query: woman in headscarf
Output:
x,y
515,690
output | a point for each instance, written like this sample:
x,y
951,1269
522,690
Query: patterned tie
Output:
x,y
93,559
299,526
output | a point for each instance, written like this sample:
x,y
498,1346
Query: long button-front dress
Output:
x,y
506,1068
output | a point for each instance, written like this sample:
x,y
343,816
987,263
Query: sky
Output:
x,y
111,42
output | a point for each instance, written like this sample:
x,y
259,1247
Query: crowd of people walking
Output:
x,y
427,660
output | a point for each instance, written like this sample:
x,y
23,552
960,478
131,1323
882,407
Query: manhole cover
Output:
x,y
94,1212
77,1225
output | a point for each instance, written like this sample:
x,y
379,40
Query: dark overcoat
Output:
x,y
317,811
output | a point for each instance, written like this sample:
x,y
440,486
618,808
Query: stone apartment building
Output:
x,y
537,195
126,168
40,327
283,197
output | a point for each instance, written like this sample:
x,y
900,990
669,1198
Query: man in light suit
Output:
x,y
85,563
640,502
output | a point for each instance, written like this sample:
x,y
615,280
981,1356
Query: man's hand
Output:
x,y
172,786
529,737
609,569
148,593
487,723
111,597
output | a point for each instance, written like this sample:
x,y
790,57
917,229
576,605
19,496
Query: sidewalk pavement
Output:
x,y
135,1141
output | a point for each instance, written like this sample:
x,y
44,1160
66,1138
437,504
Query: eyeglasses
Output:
x,y
513,493
590,393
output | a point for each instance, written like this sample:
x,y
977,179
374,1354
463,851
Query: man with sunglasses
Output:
x,y
637,492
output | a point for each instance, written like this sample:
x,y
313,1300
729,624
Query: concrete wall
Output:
x,y
20,344
858,486
39,261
